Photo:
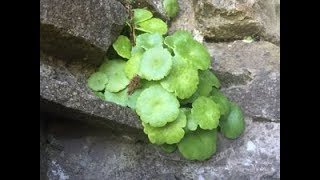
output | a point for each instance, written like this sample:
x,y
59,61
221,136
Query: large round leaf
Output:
x,y
182,80
206,112
199,144
171,133
194,52
155,63
233,125
179,35
114,69
149,40
97,81
156,106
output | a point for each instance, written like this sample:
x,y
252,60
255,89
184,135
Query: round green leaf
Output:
x,y
179,35
153,25
122,46
116,75
97,81
233,125
149,40
119,98
198,145
155,63
132,66
171,7
221,100
157,106
182,80
194,52
171,133
206,112
140,15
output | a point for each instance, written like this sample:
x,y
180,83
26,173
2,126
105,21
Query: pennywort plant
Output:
x,y
166,80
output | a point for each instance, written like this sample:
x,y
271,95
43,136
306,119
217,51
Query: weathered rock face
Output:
x,y
234,19
80,29
250,75
77,151
63,90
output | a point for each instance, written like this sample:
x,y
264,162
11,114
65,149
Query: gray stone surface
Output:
x,y
234,19
94,153
155,6
43,144
250,75
79,29
63,90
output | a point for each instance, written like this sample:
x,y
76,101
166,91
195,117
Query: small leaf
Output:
x,y
206,112
233,125
199,144
248,39
221,100
116,75
122,46
169,148
153,25
97,81
155,63
157,106
171,7
171,133
132,66
149,40
141,15
119,98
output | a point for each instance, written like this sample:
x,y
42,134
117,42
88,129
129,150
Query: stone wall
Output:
x,y
86,138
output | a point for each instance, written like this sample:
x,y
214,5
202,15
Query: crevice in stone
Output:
x,y
263,119
227,79
57,42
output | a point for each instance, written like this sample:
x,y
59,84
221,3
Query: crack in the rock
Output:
x,y
263,119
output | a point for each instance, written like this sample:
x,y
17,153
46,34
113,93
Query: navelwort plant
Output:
x,y
166,80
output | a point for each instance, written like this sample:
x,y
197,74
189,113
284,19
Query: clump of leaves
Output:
x,y
166,80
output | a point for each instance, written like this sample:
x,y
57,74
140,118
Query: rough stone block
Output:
x,y
80,29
